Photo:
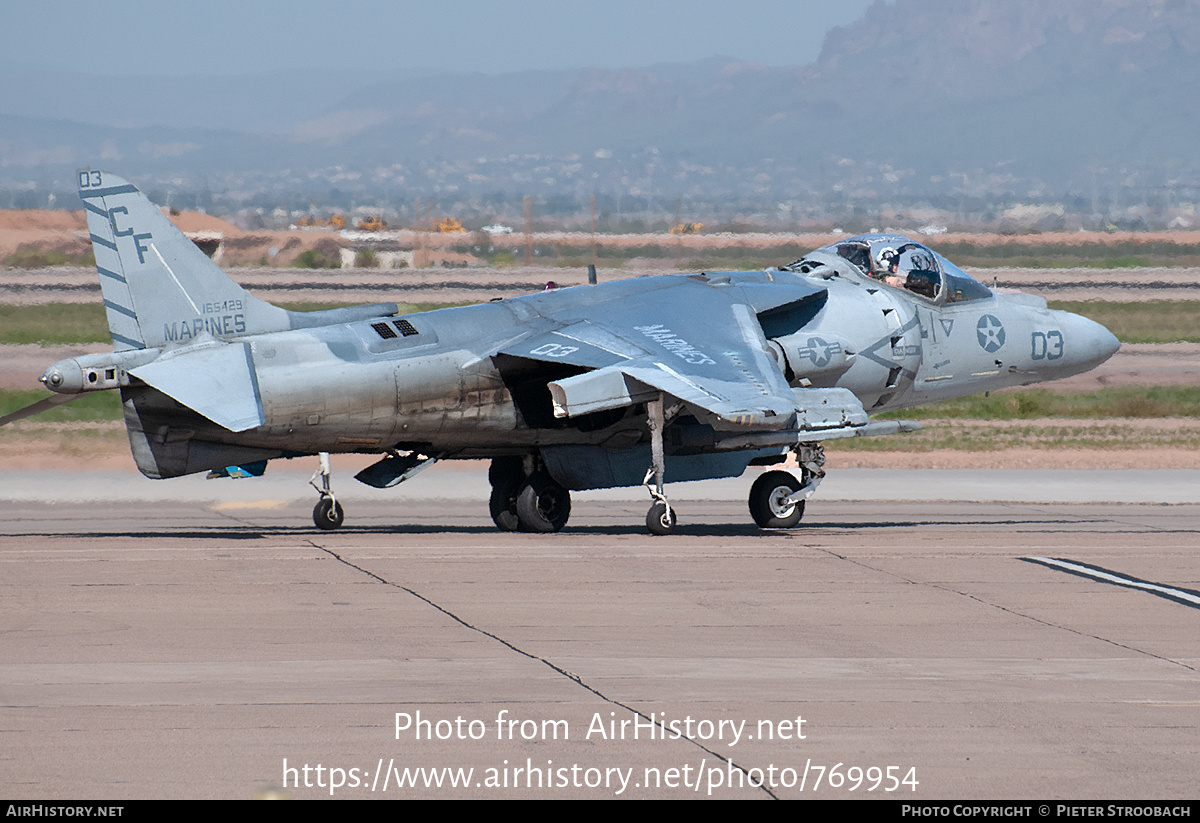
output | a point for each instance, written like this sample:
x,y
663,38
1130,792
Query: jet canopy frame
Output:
x,y
903,263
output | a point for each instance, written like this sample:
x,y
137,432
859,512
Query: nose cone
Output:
x,y
1087,344
1098,343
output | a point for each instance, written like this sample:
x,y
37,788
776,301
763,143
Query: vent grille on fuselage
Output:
x,y
383,330
405,328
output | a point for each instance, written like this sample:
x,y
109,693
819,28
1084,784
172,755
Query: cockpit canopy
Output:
x,y
903,263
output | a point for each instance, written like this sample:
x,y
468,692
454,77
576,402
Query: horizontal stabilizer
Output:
x,y
217,381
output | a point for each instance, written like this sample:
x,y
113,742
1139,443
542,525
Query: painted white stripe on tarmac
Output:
x,y
1109,577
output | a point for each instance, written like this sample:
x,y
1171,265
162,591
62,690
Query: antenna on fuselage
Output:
x,y
591,274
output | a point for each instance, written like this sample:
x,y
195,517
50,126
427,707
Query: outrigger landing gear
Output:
x,y
777,497
661,517
327,514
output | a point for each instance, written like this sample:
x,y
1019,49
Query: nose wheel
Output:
x,y
771,501
327,514
777,498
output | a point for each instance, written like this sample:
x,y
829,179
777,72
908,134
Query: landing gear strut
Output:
x,y
327,514
525,497
661,517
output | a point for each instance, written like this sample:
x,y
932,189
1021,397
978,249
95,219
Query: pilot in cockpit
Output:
x,y
887,267
910,267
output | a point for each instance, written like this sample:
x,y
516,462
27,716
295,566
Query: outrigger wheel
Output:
x,y
661,518
327,514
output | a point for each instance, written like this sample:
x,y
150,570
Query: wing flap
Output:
x,y
828,409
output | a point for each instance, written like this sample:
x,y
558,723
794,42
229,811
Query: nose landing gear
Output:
x,y
777,497
771,503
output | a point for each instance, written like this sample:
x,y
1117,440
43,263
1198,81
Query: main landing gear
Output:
x,y
327,514
525,497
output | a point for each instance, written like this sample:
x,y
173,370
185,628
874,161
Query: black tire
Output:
x,y
766,496
543,505
658,521
503,502
327,514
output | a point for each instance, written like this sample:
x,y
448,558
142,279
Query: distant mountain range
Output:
x,y
1090,99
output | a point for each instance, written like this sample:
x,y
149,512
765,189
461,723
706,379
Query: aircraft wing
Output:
x,y
698,342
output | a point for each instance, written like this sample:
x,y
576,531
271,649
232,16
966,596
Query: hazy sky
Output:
x,y
233,37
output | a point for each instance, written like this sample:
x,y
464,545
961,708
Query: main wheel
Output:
x,y
503,502
327,514
543,505
660,519
767,501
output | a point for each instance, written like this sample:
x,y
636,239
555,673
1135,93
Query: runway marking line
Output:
x,y
1186,597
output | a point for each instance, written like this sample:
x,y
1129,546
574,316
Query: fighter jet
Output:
x,y
631,382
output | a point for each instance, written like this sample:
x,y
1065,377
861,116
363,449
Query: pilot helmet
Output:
x,y
887,258
917,258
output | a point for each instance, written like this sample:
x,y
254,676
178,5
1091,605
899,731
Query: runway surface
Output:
x,y
202,645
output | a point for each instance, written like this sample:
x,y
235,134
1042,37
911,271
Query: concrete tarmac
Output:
x,y
216,645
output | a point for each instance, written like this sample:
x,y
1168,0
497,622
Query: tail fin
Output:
x,y
158,286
